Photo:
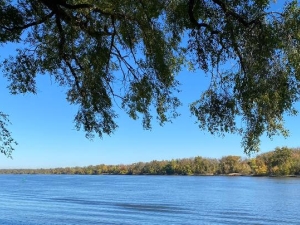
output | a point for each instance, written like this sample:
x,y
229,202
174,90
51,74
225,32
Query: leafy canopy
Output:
x,y
129,52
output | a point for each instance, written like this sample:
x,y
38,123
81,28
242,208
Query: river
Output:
x,y
108,199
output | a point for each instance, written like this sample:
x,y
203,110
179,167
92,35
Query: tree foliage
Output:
x,y
129,52
280,162
7,142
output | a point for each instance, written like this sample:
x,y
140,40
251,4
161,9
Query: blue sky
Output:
x,y
43,126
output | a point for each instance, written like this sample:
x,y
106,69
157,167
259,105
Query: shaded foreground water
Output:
x,y
64,199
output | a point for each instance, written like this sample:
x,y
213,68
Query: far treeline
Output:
x,y
280,162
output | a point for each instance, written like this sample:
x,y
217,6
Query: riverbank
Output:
x,y
280,162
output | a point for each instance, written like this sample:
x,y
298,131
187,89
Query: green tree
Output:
x,y
171,167
184,167
250,53
205,165
199,167
281,161
229,164
295,167
6,141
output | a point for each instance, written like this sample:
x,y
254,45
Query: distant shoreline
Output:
x,y
282,162
174,175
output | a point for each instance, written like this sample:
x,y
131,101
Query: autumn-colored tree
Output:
x,y
281,161
258,166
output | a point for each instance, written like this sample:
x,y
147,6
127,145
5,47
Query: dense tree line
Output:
x,y
280,162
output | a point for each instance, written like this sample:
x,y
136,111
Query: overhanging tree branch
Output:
x,y
43,20
195,22
239,18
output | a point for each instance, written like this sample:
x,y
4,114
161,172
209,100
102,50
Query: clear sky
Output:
x,y
43,126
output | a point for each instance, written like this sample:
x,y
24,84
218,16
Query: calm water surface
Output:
x,y
64,199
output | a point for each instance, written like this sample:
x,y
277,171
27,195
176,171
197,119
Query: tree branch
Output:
x,y
44,19
238,17
195,22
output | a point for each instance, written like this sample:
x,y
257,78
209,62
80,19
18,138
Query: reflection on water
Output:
x,y
61,200
151,207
